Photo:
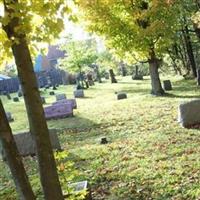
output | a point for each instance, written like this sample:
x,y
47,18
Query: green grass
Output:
x,y
149,155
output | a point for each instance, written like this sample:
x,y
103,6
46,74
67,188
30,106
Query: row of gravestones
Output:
x,y
61,109
166,85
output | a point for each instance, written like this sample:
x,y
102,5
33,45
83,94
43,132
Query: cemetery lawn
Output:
x,y
149,155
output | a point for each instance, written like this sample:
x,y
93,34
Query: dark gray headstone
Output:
x,y
137,77
8,97
82,186
78,93
121,95
167,85
60,97
20,94
104,140
189,113
52,93
54,88
9,117
16,99
26,145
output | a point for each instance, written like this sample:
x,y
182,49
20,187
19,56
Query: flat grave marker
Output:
x,y
121,95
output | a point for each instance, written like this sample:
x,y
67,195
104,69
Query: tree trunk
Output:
x,y
189,49
177,69
13,158
122,68
38,126
136,70
98,74
154,74
112,76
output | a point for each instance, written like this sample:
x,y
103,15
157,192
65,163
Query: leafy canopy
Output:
x,y
40,20
131,26
80,54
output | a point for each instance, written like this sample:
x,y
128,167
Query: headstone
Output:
x,y
43,100
58,111
54,87
78,93
189,113
112,76
68,101
79,87
8,97
46,87
137,77
9,117
26,144
19,93
121,95
82,186
60,97
104,140
16,99
52,93
167,85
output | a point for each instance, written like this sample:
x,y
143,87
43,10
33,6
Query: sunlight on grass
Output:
x,y
149,156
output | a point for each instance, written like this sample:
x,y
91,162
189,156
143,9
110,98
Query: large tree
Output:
x,y
24,23
12,157
80,54
145,27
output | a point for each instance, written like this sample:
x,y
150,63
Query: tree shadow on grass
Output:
x,y
170,95
133,90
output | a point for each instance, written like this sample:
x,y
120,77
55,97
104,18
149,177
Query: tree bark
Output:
x,y
38,126
189,49
136,70
13,158
154,74
177,69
